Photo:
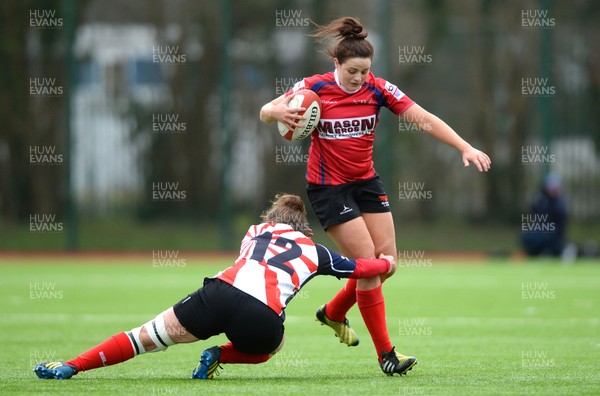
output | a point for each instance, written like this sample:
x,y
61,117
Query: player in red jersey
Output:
x,y
343,186
245,301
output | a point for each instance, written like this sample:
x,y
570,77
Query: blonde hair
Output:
x,y
288,209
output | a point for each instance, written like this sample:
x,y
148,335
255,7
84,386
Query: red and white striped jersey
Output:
x,y
341,148
275,262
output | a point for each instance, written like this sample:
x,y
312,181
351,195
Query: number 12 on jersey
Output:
x,y
279,260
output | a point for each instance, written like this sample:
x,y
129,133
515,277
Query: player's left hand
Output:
x,y
393,265
479,158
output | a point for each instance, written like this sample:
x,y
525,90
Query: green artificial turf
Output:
x,y
489,327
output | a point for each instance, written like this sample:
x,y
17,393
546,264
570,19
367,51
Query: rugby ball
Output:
x,y
312,103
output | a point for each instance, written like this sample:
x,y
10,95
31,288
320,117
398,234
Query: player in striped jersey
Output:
x,y
245,301
343,187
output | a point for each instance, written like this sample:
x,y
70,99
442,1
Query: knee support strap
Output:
x,y
157,331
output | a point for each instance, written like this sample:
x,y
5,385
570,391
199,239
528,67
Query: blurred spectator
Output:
x,y
545,230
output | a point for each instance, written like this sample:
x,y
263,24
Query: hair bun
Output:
x,y
350,36
352,29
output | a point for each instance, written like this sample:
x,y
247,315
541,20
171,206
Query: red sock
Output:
x,y
341,303
372,309
114,350
230,354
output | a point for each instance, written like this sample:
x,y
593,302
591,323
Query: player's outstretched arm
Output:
x,y
332,263
437,128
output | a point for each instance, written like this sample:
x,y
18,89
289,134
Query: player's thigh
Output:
x,y
383,235
382,232
175,329
353,238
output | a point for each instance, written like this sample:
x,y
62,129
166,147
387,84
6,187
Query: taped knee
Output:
x,y
157,330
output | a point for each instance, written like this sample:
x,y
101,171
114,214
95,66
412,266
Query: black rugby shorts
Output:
x,y
341,203
218,307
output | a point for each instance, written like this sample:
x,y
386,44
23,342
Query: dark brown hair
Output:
x,y
351,37
288,209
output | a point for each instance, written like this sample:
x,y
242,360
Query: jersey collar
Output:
x,y
337,81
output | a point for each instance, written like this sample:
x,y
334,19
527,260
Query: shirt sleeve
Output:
x,y
305,83
302,84
394,98
332,263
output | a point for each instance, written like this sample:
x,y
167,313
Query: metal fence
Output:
x,y
164,110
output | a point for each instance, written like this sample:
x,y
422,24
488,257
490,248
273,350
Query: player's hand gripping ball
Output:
x,y
312,103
